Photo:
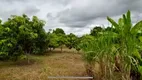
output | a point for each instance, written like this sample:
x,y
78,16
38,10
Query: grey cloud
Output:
x,y
84,15
136,17
51,17
76,15
59,2
16,9
30,10
62,2
77,23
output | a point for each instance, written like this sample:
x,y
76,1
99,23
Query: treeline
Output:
x,y
58,38
20,36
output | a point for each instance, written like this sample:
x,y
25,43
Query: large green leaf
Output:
x,y
113,23
137,27
124,19
120,22
129,17
127,23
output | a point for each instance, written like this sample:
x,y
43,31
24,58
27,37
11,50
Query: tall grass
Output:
x,y
113,50
101,51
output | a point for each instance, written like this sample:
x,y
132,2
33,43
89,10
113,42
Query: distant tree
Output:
x,y
59,31
108,29
61,40
61,37
77,44
96,30
71,40
53,41
111,28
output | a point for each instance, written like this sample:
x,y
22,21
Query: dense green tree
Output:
x,y
71,40
96,31
77,44
59,31
61,40
41,42
53,41
20,35
61,37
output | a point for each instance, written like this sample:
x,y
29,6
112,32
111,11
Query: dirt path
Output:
x,y
66,63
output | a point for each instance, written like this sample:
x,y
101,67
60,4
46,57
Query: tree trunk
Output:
x,y
61,49
27,56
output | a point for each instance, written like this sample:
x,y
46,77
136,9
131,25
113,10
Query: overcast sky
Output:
x,y
74,16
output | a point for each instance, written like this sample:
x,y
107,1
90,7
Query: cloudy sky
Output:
x,y
75,16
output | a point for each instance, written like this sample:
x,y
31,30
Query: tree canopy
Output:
x,y
20,35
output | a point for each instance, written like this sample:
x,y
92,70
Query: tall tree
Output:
x,y
96,31
61,37
53,41
59,31
71,40
20,36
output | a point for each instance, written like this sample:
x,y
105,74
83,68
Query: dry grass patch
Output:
x,y
55,64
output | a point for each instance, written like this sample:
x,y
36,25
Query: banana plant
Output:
x,y
127,33
127,38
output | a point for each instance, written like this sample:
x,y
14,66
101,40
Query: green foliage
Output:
x,y
96,48
57,38
71,40
53,40
20,35
121,39
59,31
85,41
61,37
96,31
128,40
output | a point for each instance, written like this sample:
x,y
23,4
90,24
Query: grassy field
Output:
x,y
55,63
